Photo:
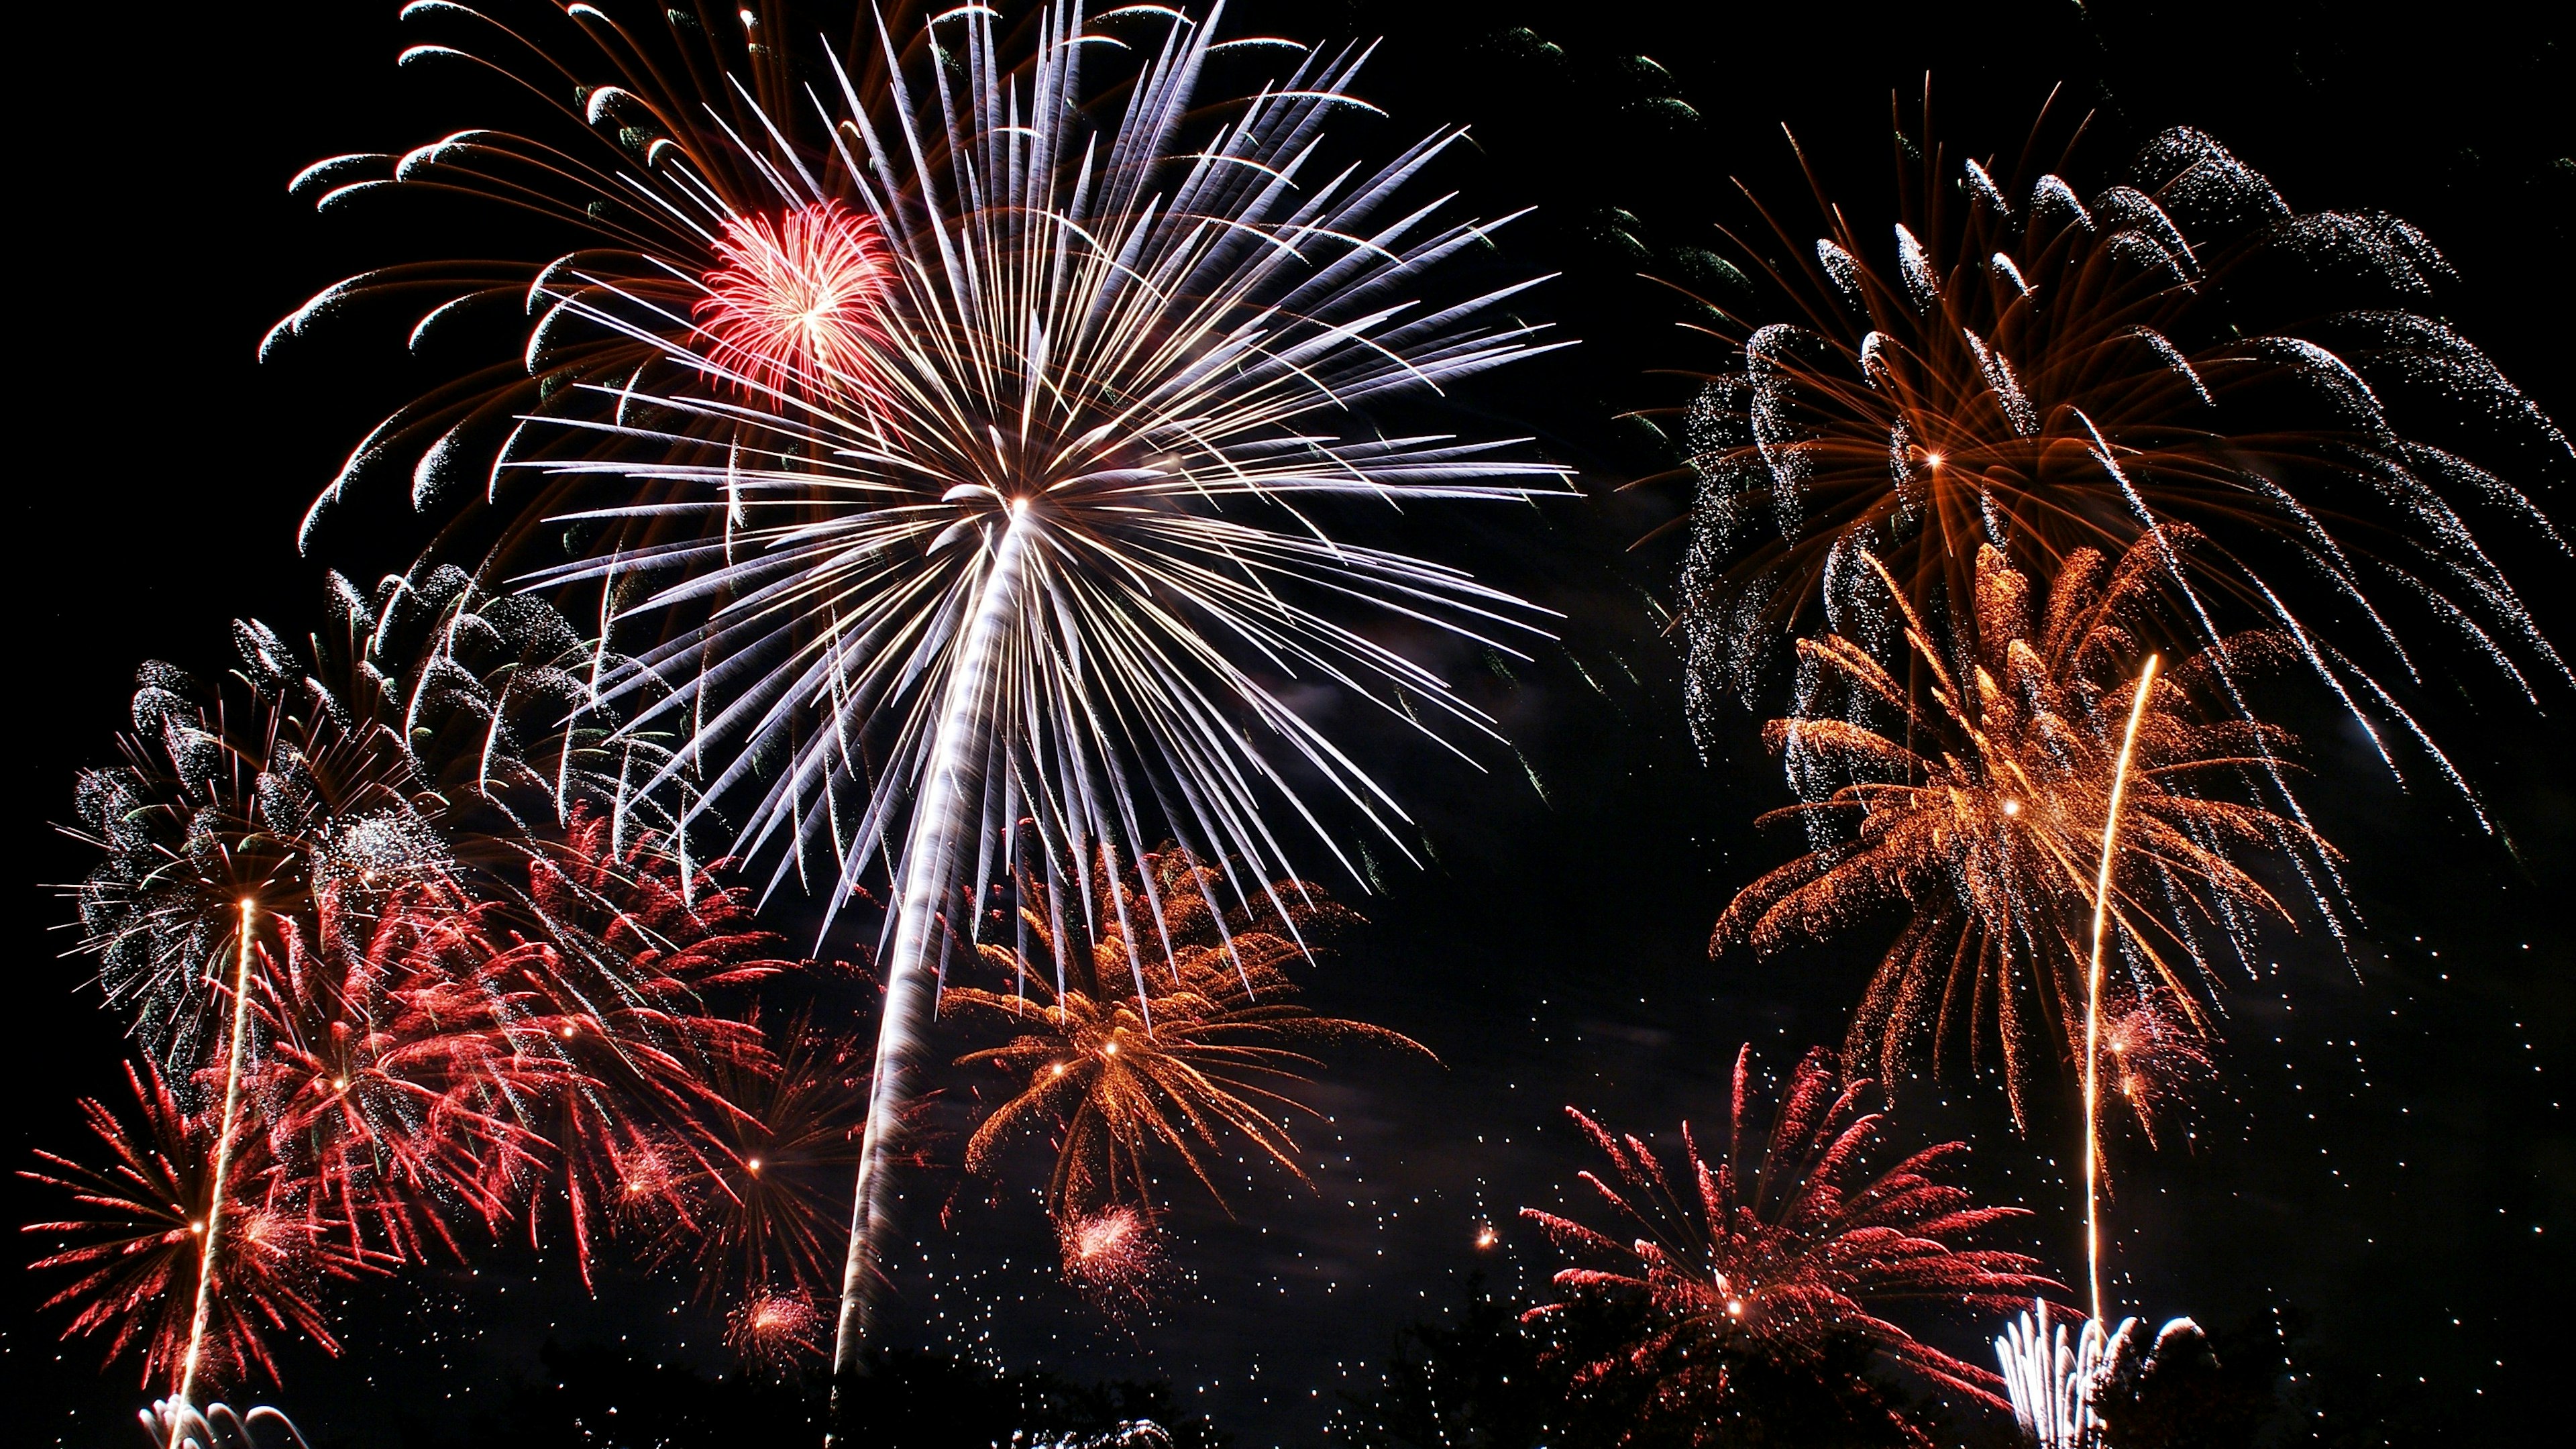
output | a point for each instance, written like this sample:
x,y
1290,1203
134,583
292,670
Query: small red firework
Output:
x,y
774,1148
138,1249
2154,1059
797,305
1779,1258
1112,1258
774,1329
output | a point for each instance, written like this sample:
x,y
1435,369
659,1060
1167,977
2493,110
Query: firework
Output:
x,y
774,1330
221,802
1983,815
2049,375
795,304
138,1251
1772,1257
777,1139
178,1424
2052,1383
600,982
1066,527
1147,1023
1111,1257
434,733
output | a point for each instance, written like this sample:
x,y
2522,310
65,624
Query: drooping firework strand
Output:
x,y
2022,368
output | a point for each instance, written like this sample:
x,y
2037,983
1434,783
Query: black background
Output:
x,y
2388,1176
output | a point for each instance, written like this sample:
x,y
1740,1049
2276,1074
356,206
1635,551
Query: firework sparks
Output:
x,y
2054,375
1076,529
799,300
1167,1027
1774,1256
1112,1258
1984,816
140,1250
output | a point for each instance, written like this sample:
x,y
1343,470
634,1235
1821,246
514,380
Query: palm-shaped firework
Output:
x,y
1981,815
980,457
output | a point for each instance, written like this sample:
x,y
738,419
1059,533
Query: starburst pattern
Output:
x,y
1772,1252
2031,370
1060,546
799,299
135,1251
1979,816
1167,1029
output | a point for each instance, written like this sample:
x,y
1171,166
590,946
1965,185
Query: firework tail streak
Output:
x,y
929,864
223,1161
2093,995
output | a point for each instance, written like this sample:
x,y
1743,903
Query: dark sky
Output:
x,y
2388,1165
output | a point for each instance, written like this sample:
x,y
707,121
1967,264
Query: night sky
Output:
x,y
2386,1175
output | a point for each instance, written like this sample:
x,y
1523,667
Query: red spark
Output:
x,y
1778,1258
796,304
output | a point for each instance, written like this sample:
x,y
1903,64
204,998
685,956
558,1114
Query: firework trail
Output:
x,y
2027,369
1042,521
1775,1249
2140,694
1984,816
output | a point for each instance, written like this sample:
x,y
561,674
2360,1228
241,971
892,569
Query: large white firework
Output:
x,y
988,461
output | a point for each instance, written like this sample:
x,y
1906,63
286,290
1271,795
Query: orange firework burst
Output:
x,y
136,1253
1112,1257
2018,366
1165,1023
1771,1259
1982,817
795,304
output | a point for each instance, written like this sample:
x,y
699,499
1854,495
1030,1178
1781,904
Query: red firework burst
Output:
x,y
775,1329
1777,1258
1113,1257
795,304
137,1249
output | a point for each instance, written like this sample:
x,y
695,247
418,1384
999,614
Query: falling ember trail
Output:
x,y
928,868
2093,995
223,1163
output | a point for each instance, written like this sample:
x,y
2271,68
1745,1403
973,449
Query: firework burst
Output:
x,y
1068,529
1773,1253
775,1330
795,303
2030,370
778,1137
1981,817
1113,1257
136,1251
1146,1023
